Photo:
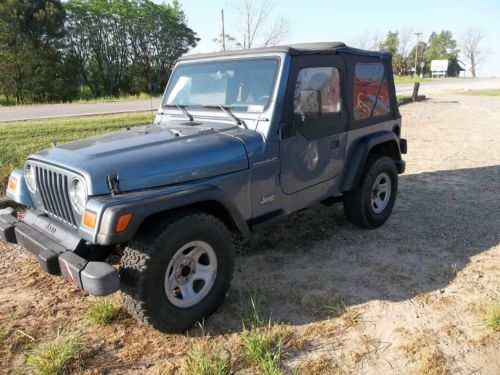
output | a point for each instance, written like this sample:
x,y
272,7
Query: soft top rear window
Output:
x,y
371,97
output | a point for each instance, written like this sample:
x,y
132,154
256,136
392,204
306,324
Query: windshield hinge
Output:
x,y
114,184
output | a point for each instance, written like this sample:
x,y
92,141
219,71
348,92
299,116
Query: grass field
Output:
x,y
479,92
20,139
410,79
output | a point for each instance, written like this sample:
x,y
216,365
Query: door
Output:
x,y
312,145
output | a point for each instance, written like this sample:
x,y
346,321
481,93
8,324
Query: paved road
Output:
x,y
38,111
30,112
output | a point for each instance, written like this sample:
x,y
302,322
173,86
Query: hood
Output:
x,y
152,155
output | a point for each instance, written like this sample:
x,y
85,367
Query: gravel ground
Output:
x,y
405,298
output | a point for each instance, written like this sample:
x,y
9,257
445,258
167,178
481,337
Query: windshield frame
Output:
x,y
236,109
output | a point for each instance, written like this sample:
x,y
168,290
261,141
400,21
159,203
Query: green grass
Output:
x,y
21,138
410,79
492,316
102,311
403,96
479,92
205,357
263,347
54,357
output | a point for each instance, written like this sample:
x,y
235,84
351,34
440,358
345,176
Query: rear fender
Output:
x,y
385,142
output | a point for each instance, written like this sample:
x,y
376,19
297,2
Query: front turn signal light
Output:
x,y
12,183
123,222
89,219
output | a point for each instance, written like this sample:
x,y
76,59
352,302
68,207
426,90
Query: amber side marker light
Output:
x,y
12,183
123,222
89,219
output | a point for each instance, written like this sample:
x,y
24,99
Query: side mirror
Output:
x,y
310,103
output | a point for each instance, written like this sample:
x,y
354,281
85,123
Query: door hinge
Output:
x,y
287,131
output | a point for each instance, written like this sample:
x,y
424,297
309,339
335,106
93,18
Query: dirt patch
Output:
x,y
392,300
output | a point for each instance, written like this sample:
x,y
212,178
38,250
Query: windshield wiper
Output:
x,y
227,110
181,108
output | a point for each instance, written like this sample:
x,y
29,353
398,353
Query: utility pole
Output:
x,y
223,33
416,53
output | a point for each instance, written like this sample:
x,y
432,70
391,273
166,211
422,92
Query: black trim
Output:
x,y
143,208
358,153
293,50
403,146
261,222
44,248
7,225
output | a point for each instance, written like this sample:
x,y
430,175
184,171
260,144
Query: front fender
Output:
x,y
21,193
143,204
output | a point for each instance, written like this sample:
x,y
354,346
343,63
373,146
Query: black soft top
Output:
x,y
294,50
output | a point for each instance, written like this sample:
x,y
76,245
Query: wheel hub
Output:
x,y
190,274
185,269
381,192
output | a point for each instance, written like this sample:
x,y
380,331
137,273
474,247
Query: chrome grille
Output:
x,y
53,188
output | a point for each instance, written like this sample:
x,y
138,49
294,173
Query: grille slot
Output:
x,y
55,194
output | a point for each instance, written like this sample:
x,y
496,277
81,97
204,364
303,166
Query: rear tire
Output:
x,y
158,268
371,203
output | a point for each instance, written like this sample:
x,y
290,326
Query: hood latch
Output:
x,y
114,184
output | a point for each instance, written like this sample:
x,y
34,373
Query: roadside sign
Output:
x,y
439,68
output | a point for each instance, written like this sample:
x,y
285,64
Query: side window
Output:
x,y
370,91
325,80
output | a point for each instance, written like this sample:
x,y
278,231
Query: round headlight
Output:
x,y
29,176
78,195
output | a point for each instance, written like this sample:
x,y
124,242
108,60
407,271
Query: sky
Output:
x,y
348,21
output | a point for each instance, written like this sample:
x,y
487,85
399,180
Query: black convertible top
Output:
x,y
294,50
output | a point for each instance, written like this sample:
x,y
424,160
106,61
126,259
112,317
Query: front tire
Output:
x,y
179,275
371,204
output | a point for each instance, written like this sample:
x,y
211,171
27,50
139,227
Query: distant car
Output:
x,y
242,139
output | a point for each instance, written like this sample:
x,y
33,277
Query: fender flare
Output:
x,y
141,209
358,154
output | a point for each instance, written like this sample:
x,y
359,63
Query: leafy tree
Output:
x,y
397,44
422,50
21,24
443,46
158,36
31,57
391,45
126,46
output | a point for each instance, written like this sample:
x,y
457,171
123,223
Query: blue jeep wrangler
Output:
x,y
241,139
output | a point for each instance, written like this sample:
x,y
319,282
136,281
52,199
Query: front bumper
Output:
x,y
54,246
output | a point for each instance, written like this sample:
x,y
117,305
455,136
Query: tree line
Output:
x,y
439,46
52,51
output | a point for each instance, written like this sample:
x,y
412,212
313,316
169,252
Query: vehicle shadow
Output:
x,y
315,264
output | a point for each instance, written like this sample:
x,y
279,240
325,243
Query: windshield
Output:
x,y
244,85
